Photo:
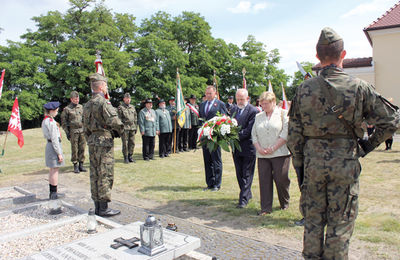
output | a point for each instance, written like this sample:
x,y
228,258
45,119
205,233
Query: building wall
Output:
x,y
364,73
386,57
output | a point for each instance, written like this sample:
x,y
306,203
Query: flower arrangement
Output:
x,y
220,131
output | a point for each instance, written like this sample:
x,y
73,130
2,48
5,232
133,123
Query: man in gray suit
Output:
x,y
149,128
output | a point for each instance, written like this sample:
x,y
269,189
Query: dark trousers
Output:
x,y
274,170
213,167
163,140
148,147
244,166
193,137
388,143
183,139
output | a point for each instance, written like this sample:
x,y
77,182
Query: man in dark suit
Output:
x,y
245,160
213,160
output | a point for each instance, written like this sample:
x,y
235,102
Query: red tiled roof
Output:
x,y
350,63
390,19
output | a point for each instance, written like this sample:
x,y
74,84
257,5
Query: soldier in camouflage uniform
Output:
x,y
128,116
100,119
72,123
324,132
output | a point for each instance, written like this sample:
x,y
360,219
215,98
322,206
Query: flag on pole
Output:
x,y
270,89
244,78
14,125
180,103
1,81
284,100
99,64
216,85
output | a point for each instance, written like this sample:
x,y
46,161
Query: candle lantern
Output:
x,y
151,237
91,222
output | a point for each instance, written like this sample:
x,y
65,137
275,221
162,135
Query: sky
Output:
x,y
292,27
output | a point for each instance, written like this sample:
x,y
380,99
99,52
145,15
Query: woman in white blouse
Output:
x,y
269,136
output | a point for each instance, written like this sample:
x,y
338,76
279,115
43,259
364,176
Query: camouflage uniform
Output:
x,y
99,119
72,123
323,145
128,116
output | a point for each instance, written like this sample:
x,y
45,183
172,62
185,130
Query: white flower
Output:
x,y
234,122
199,131
225,129
206,131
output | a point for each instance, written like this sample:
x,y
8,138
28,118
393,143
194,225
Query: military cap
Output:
x,y
192,96
172,98
127,95
74,94
148,100
97,77
230,97
161,101
328,36
52,105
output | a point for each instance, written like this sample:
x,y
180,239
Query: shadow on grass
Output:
x,y
389,161
386,151
221,213
171,188
40,172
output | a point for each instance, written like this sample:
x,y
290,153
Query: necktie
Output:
x,y
208,106
240,113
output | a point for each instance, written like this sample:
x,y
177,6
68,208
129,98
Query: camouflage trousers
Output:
x,y
329,197
101,172
78,143
128,142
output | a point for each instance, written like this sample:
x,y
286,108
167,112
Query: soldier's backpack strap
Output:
x,y
336,109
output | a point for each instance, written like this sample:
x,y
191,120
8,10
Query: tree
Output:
x,y
298,78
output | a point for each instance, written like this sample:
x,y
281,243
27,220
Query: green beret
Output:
x,y
127,95
328,36
74,94
97,77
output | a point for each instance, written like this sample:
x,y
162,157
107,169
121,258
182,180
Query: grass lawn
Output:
x,y
179,179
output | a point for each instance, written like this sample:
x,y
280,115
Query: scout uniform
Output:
x,y
165,126
128,116
148,126
100,118
325,122
72,123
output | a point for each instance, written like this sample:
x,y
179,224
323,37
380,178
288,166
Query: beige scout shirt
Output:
x,y
267,131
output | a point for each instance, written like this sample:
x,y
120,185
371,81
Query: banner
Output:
x,y
180,103
14,125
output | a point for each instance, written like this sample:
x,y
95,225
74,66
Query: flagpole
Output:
x,y
216,85
4,145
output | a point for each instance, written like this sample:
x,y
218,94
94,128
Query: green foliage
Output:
x,y
299,78
58,56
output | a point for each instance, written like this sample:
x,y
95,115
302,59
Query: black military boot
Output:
x,y
130,158
97,207
81,168
54,194
126,160
76,168
105,211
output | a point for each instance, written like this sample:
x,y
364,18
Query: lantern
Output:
x,y
151,237
91,222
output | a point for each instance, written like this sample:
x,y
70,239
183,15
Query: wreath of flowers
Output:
x,y
220,131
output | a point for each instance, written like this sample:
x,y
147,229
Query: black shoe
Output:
x,y
181,150
97,207
241,206
167,155
76,168
130,158
161,156
126,160
55,195
207,188
146,159
81,168
105,211
152,158
299,222
215,189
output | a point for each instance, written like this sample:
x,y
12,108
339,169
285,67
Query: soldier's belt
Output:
x,y
329,136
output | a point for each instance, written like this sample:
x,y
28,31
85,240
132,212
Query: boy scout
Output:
x,y
72,123
324,131
128,116
99,120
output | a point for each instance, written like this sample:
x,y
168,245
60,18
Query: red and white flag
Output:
x,y
244,78
284,100
14,125
270,89
1,81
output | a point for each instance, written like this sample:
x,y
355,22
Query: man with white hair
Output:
x,y
244,160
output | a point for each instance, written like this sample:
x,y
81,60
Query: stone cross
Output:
x,y
129,243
